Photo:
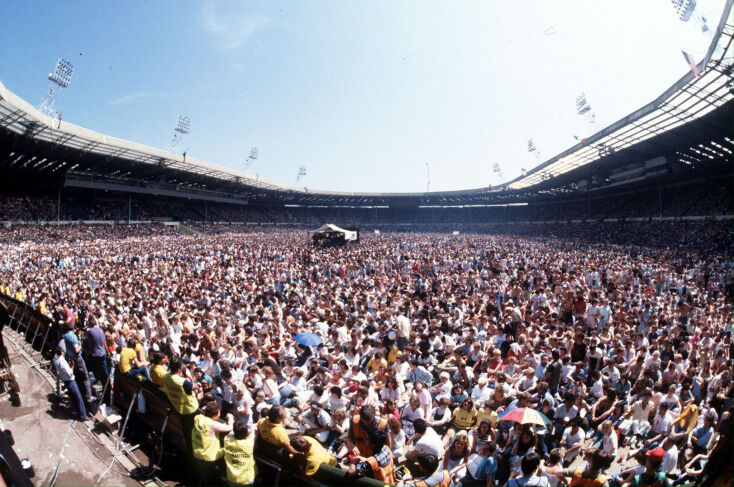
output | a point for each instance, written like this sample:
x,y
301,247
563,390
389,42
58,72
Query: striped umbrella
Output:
x,y
525,416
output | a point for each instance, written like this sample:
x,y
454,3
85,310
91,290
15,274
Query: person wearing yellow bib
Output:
x,y
238,448
205,441
182,394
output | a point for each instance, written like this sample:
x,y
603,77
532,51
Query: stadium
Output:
x,y
169,320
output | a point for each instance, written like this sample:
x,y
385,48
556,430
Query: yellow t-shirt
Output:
x,y
138,348
464,419
316,456
392,355
490,415
157,374
374,365
273,433
126,359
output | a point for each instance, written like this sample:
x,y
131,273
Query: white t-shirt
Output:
x,y
609,444
403,326
573,439
662,424
670,460
431,443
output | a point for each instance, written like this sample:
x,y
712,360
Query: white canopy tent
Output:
x,y
349,235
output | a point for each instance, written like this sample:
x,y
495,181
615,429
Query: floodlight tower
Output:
x,y
532,149
428,177
300,174
60,78
497,170
183,127
251,158
684,8
584,108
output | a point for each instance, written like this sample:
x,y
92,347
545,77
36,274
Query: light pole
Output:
x,y
301,172
60,78
183,127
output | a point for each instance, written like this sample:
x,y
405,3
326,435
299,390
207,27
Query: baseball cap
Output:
x,y
656,455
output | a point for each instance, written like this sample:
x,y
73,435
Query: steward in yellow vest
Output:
x,y
238,450
180,392
205,441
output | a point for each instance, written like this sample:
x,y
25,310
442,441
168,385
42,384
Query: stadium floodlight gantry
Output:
x,y
689,123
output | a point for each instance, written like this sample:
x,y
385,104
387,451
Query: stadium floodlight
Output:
x,y
531,146
532,149
497,170
300,174
684,8
254,153
62,74
60,78
183,127
583,108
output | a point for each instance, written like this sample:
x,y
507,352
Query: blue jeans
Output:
x,y
138,371
75,396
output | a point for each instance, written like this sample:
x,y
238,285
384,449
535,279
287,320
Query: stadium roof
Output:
x,y
689,99
691,119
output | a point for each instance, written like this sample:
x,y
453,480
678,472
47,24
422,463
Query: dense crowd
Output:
x,y
421,347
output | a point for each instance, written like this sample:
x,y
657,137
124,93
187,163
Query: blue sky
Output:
x,y
362,93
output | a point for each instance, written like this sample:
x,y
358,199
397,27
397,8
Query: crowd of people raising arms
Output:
x,y
423,343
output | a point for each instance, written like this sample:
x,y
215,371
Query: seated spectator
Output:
x,y
271,430
312,456
130,363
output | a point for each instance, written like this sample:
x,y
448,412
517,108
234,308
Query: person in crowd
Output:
x,y
130,363
312,455
529,467
182,393
73,351
652,476
481,466
456,455
205,441
365,420
158,369
238,455
66,375
592,475
94,351
379,463
271,430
